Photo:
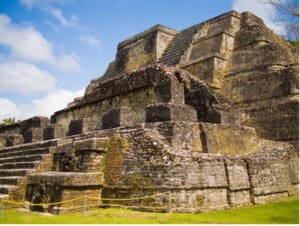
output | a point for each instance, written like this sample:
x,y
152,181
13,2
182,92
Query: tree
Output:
x,y
287,12
9,120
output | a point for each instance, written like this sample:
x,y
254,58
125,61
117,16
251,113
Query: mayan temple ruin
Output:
x,y
208,114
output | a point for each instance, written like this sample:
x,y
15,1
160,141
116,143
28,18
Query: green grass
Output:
x,y
284,212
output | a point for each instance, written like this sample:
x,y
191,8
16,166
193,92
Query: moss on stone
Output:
x,y
113,160
200,200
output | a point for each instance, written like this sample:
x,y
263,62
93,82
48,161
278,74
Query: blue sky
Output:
x,y
51,49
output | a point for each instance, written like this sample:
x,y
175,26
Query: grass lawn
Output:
x,y
283,212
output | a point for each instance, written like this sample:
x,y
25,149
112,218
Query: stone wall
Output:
x,y
198,181
153,93
209,50
140,50
261,81
52,187
182,113
27,131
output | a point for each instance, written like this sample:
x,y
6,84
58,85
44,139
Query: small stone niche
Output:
x,y
53,132
14,139
79,126
117,117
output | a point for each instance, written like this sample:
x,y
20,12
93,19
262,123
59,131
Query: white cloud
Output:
x,y
48,6
68,62
8,109
24,78
56,13
53,101
24,42
46,106
29,44
265,11
28,3
90,40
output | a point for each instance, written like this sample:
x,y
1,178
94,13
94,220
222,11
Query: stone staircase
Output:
x,y
18,161
75,169
178,46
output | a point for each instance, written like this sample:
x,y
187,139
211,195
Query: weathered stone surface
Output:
x,y
183,112
237,176
270,127
117,117
239,198
14,139
142,49
53,132
84,125
2,141
53,187
170,112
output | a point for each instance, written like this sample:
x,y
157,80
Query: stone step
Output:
x,y
25,158
15,172
175,46
175,49
11,180
4,189
175,52
4,196
179,44
17,165
5,154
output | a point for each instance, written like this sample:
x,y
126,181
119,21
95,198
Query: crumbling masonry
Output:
x,y
209,113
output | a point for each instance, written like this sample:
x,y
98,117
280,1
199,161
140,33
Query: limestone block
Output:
x,y
293,189
228,23
231,116
209,69
170,112
237,174
10,128
261,199
34,122
257,84
269,176
199,200
171,92
212,174
239,198
80,156
229,139
64,147
180,135
274,121
90,144
294,169
215,44
60,186
2,141
88,161
144,48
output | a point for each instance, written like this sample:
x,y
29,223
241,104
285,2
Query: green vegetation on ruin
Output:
x,y
113,160
283,212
